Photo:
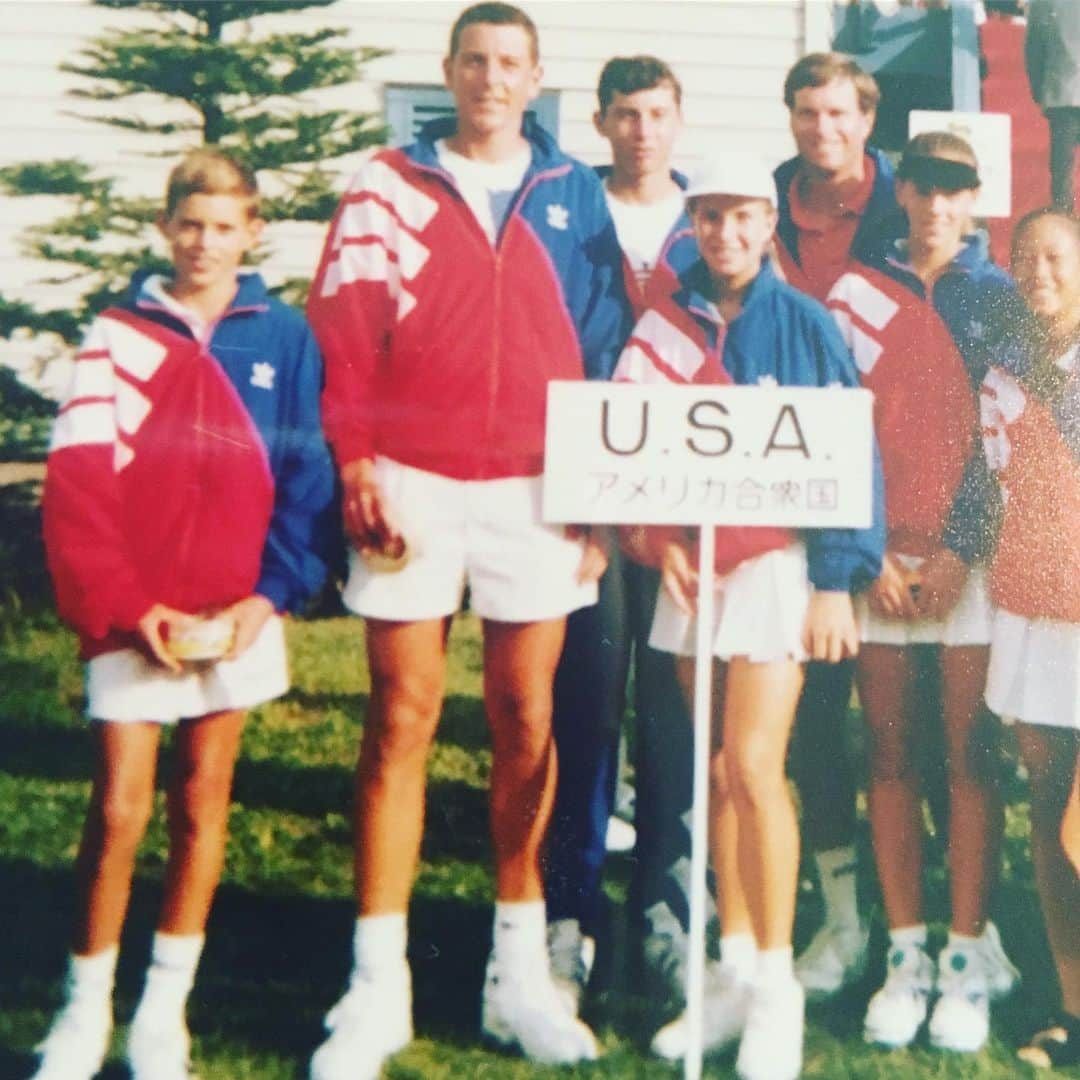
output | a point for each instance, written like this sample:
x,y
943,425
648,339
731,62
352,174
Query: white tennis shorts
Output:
x,y
126,686
1034,672
487,534
967,624
759,613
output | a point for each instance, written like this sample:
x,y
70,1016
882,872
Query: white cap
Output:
x,y
733,172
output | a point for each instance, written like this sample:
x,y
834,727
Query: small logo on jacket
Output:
x,y
262,376
558,217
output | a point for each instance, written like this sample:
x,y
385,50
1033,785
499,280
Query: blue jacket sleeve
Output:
x,y
843,560
301,534
603,316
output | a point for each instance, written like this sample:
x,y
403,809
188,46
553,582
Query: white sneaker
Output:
x,y
835,957
961,1017
159,1050
571,955
723,1017
1002,976
524,1009
898,1009
372,1021
77,1041
772,1041
620,836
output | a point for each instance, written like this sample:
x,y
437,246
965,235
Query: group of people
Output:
x,y
190,501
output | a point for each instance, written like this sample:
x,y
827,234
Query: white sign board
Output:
x,y
990,136
622,454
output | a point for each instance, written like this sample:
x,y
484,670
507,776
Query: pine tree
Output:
x,y
226,82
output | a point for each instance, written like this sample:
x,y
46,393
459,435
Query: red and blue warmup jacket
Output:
x,y
1033,448
924,406
185,474
679,253
439,347
977,302
881,222
780,337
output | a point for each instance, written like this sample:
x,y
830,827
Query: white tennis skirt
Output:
x,y
968,623
759,613
1034,672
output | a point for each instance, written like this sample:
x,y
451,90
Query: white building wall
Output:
x,y
730,55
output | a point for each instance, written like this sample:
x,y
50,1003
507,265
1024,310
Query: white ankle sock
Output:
x,y
739,956
90,978
519,936
836,872
169,978
775,965
963,941
379,943
909,935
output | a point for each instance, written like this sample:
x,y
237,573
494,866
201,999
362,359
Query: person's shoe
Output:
x,y
898,1009
1056,1047
77,1042
571,955
723,1017
524,1009
663,956
371,1022
1002,976
159,1050
835,958
620,836
961,1018
772,1040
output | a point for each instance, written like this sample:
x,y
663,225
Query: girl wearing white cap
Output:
x,y
781,598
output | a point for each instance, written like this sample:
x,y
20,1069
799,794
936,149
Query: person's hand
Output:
x,y
679,576
369,521
892,594
594,552
248,617
943,576
829,632
150,628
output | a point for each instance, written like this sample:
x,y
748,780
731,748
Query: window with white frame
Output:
x,y
408,108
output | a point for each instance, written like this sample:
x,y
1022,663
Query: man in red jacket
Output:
x,y
461,275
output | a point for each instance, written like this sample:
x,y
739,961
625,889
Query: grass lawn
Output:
x,y
278,942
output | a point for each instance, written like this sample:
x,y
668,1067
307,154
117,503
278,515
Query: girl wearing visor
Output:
x,y
781,597
919,328
1030,410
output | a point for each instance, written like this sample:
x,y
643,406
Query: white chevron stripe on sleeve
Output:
x,y
132,407
865,300
134,352
413,206
864,348
91,424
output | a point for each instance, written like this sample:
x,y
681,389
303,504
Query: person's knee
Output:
x,y
755,775
402,720
973,752
199,803
892,756
124,813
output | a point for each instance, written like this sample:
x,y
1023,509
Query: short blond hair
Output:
x,y
210,171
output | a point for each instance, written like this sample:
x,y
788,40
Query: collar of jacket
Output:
x,y
880,207
545,151
696,289
604,171
251,292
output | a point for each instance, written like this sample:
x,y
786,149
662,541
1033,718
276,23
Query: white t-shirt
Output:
x,y
643,228
487,187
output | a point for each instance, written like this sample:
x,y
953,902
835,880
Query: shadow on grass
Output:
x,y
273,964
22,551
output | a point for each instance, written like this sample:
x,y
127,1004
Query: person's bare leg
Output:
x,y
519,671
975,816
884,674
120,806
198,805
408,664
1070,824
723,823
1050,755
759,711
